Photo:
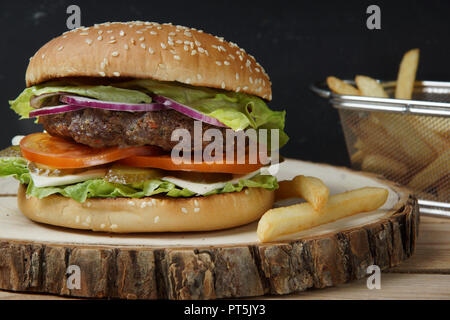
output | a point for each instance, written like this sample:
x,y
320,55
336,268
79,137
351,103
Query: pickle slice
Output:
x,y
11,152
43,170
127,175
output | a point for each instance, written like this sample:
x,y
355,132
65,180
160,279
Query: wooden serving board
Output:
x,y
208,265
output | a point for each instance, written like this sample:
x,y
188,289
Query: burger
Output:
x,y
114,100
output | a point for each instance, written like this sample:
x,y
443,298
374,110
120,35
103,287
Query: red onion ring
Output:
x,y
107,105
53,110
188,111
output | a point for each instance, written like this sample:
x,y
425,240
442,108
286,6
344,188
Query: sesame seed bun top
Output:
x,y
148,50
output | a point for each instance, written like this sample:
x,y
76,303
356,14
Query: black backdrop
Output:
x,y
298,42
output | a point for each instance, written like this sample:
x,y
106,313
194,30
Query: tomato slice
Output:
x,y
165,162
60,153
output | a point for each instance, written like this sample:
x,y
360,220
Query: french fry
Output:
x,y
377,141
411,143
436,170
429,133
370,87
357,157
311,189
341,87
440,126
286,220
407,74
383,165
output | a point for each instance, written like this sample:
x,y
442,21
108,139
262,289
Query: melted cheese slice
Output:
x,y
202,188
46,181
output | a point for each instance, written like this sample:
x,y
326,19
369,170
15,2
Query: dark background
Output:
x,y
297,42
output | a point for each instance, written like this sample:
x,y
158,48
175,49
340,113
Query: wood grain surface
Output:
x,y
323,259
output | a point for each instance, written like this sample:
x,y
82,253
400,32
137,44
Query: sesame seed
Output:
x,y
246,191
170,43
99,38
179,41
150,50
245,88
117,74
109,31
125,46
88,204
60,48
173,51
159,27
196,209
193,52
218,63
198,43
102,73
177,57
143,45
188,80
231,56
100,32
163,45
139,32
186,48
84,34
201,50
187,34
115,54
102,226
226,63
250,79
238,89
199,77
112,37
112,41
143,204
257,69
156,220
133,41
131,203
153,32
237,76
43,56
121,33
196,203
223,85
88,41
172,33
114,226
184,210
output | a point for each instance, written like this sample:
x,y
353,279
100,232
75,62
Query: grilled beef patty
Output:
x,y
103,128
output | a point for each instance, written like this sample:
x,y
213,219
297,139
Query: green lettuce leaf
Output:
x,y
237,110
21,105
99,188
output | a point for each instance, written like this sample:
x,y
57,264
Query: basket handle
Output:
x,y
321,89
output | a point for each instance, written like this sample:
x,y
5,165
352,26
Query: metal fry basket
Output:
x,y
407,141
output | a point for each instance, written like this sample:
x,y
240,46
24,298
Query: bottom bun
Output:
x,y
149,214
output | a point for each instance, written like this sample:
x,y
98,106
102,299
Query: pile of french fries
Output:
x,y
412,150
318,209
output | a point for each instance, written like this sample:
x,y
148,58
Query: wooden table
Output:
x,y
426,275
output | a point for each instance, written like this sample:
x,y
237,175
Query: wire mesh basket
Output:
x,y
407,141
